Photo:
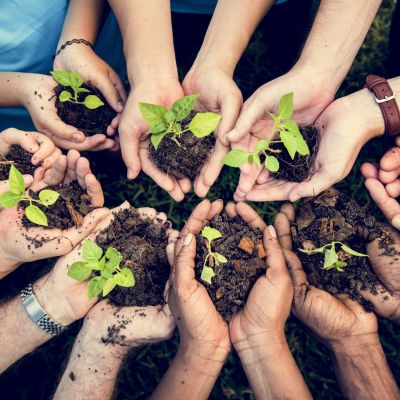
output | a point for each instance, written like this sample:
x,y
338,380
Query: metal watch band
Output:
x,y
37,314
386,99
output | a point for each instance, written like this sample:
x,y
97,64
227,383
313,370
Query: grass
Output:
x,y
36,375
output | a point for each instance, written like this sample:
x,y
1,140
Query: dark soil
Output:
x,y
301,167
333,216
233,281
143,247
90,122
69,209
21,160
187,159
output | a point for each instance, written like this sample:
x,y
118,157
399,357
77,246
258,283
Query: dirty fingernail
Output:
x,y
272,231
188,239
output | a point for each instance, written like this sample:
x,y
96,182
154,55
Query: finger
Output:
x,y
230,110
54,126
123,206
282,227
298,277
289,211
82,169
370,170
247,179
230,209
56,173
273,190
72,160
185,185
170,250
129,141
184,264
119,86
4,186
46,148
216,208
50,160
90,143
263,177
387,177
250,216
393,189
276,263
109,91
94,190
391,160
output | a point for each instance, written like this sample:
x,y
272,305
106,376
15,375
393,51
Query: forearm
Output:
x,y
271,369
224,43
11,88
338,31
82,21
192,373
146,29
363,371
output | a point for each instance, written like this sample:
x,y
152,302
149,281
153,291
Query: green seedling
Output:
x,y
74,81
285,130
168,123
103,270
17,194
212,257
331,258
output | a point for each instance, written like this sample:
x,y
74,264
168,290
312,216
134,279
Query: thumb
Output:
x,y
184,263
54,126
4,186
276,263
110,92
230,110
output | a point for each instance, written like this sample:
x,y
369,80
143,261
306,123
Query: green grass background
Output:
x,y
36,376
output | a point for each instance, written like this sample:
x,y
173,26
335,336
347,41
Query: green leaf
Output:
x,y
262,145
290,142
65,78
210,233
203,124
82,90
95,286
48,197
64,96
94,265
330,257
79,271
16,181
272,163
301,146
153,114
125,278
286,106
107,271
257,161
110,285
184,106
170,117
339,265
92,102
75,79
91,251
235,158
36,215
313,251
207,274
159,127
156,139
113,256
8,199
349,250
219,258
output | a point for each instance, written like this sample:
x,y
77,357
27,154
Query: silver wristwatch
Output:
x,y
37,314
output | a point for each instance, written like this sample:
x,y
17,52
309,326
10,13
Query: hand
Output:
x,y
383,184
134,138
310,99
220,94
17,244
38,98
336,320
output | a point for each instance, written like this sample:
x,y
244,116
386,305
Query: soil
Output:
x,y
90,122
20,158
187,159
301,167
242,246
69,209
333,216
143,247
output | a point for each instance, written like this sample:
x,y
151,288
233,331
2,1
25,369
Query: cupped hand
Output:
x,y
336,320
219,94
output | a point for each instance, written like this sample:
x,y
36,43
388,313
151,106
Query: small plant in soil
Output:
x,y
103,269
331,257
270,153
212,259
181,138
18,194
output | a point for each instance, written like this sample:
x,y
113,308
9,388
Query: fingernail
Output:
x,y
28,179
272,231
188,239
295,197
34,160
78,137
396,221
120,107
130,174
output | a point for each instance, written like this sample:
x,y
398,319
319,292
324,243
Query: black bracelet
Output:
x,y
69,42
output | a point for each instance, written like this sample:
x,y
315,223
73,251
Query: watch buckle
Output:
x,y
385,99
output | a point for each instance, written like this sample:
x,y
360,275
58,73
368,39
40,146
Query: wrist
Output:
x,y
151,73
354,345
208,61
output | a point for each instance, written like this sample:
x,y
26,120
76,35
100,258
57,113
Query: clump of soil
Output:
x,y
301,167
69,209
242,246
90,122
20,158
143,247
187,159
333,216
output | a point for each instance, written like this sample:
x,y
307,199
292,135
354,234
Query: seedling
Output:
x,y
288,134
212,257
17,194
331,258
168,123
105,268
74,81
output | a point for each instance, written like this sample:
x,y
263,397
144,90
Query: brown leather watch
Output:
x,y
386,99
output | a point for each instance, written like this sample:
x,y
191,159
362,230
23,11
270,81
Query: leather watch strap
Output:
x,y
386,100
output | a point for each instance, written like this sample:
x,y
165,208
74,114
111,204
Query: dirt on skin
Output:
x,y
187,159
242,246
90,122
301,167
69,209
333,216
20,158
143,247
